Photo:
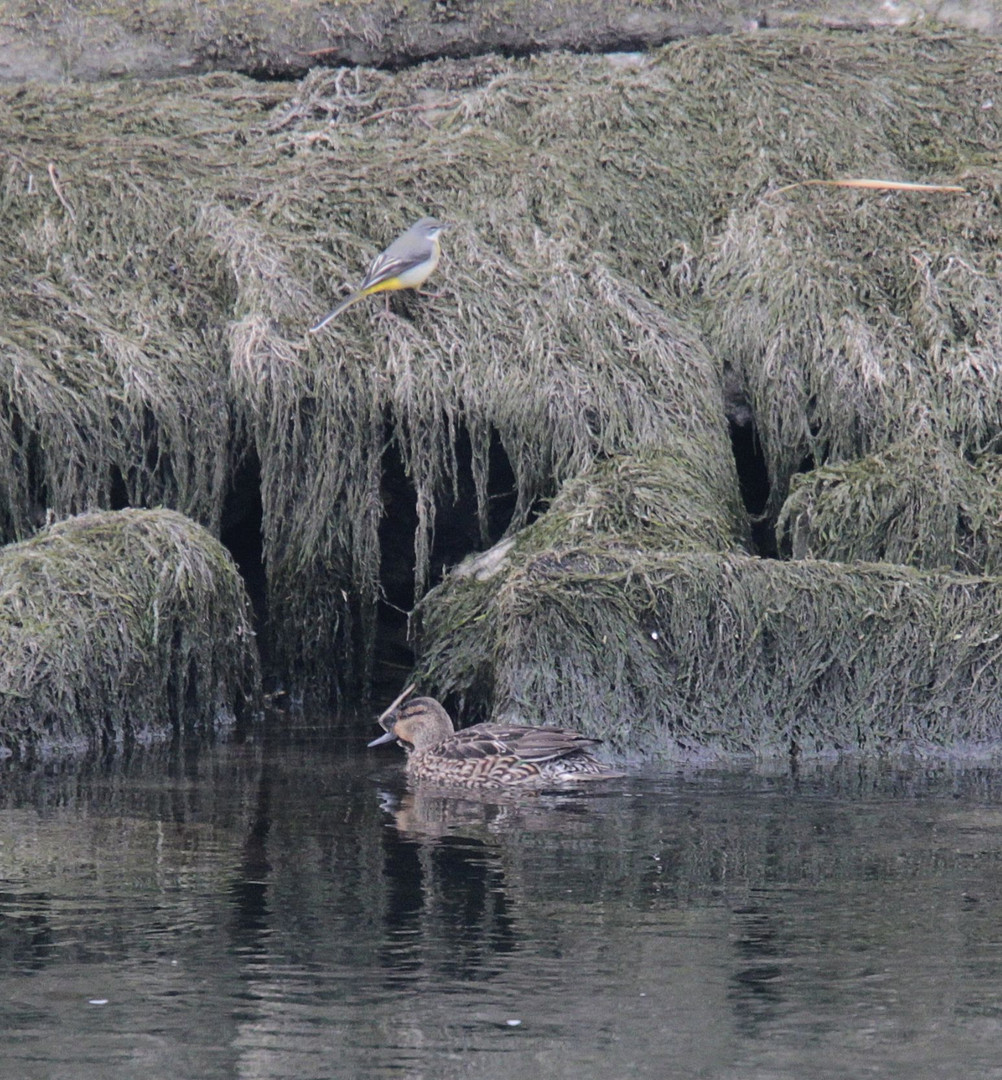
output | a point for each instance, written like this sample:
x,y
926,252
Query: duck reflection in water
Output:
x,y
487,756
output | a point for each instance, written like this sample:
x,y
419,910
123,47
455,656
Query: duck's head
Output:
x,y
418,723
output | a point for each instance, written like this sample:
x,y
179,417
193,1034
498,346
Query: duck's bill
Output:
x,y
388,737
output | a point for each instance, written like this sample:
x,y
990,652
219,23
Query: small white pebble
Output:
x,y
97,1001
654,635
513,1023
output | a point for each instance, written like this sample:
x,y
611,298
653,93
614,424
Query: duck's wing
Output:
x,y
524,743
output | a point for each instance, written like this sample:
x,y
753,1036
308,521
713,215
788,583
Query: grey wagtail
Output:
x,y
406,264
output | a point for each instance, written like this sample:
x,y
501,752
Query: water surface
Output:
x,y
294,911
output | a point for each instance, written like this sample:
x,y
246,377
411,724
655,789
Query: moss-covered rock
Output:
x,y
700,655
918,503
118,626
861,320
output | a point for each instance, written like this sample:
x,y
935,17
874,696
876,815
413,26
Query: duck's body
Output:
x,y
489,755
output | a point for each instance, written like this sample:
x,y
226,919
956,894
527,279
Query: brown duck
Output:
x,y
487,755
